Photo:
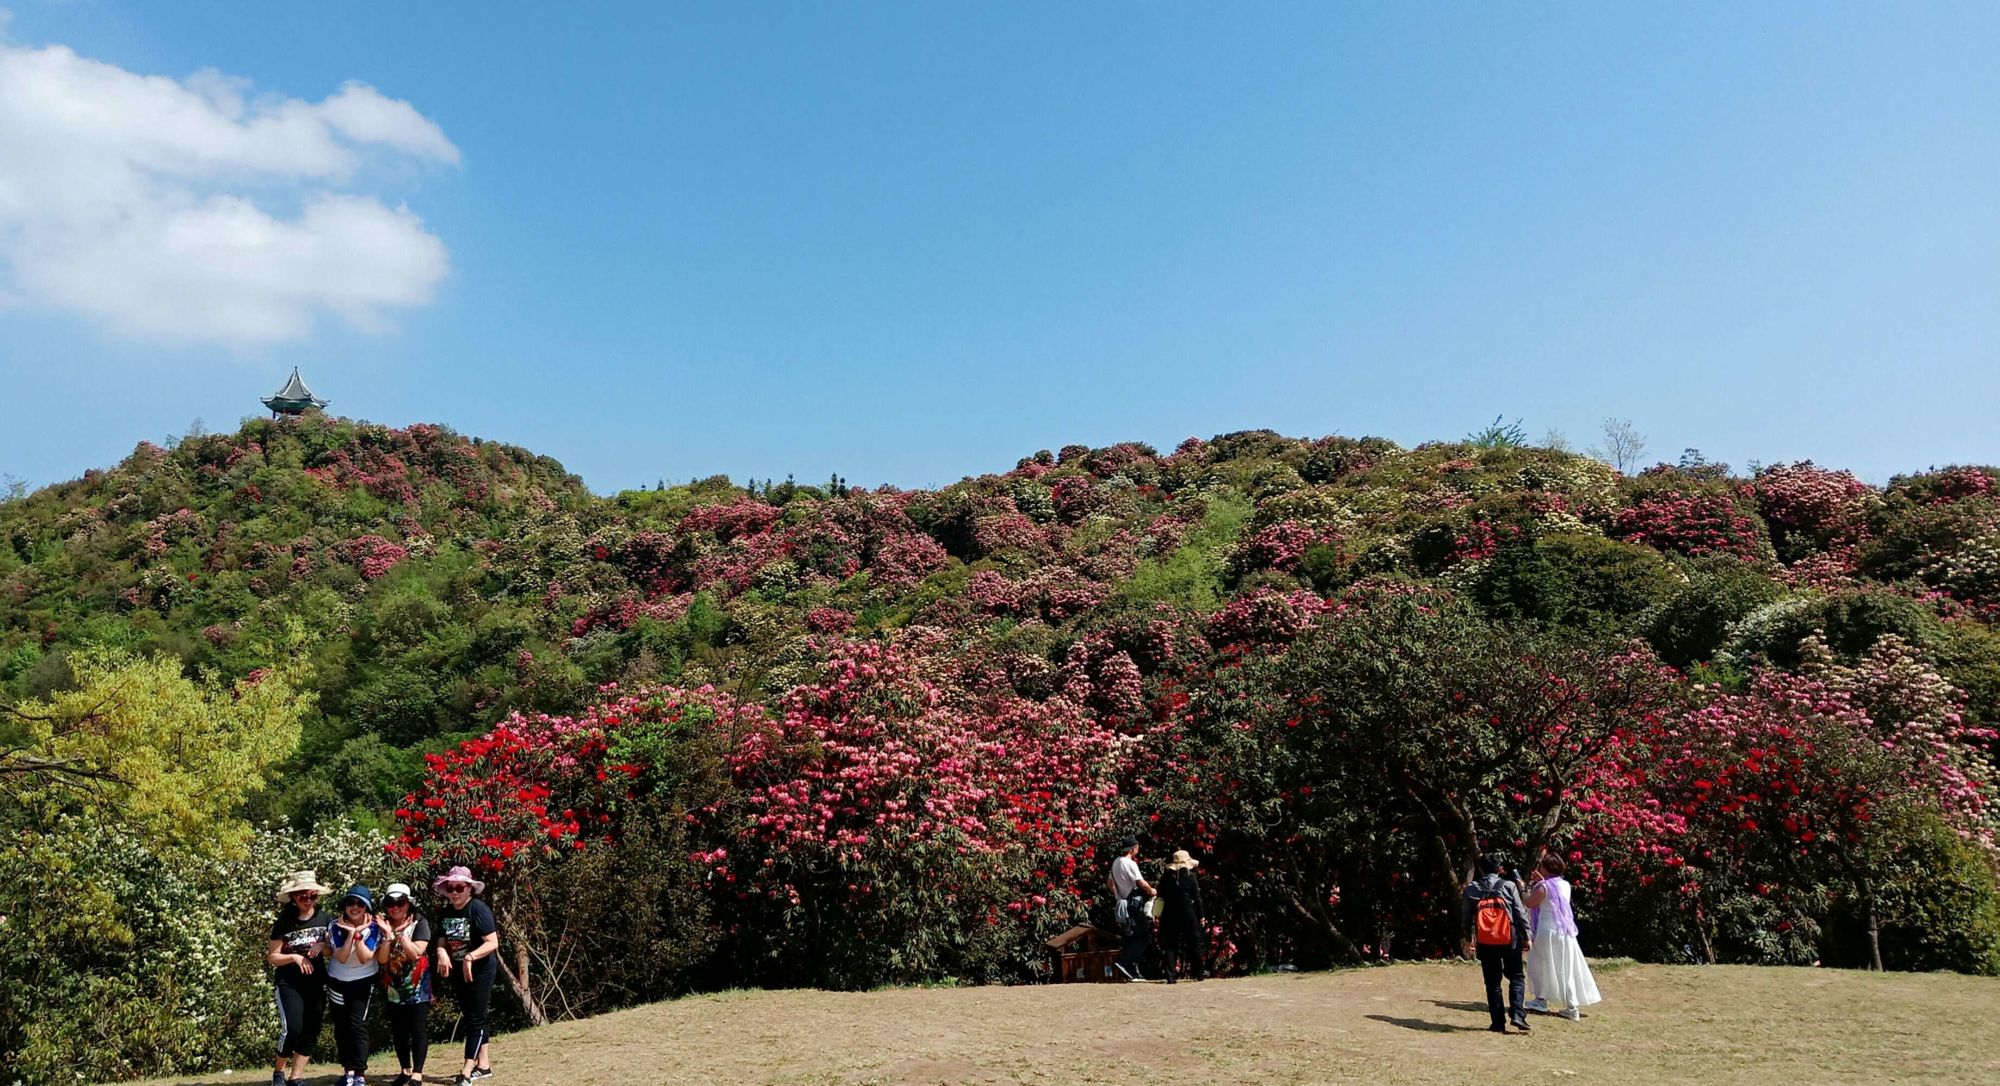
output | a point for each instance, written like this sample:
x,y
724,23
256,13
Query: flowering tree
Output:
x,y
891,823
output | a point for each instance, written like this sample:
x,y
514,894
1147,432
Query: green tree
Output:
x,y
138,744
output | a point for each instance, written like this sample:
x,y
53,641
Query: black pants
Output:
x,y
1180,940
473,996
409,1024
1138,936
300,1009
350,999
1495,961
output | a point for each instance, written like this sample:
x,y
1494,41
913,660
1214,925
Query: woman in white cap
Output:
x,y
1180,919
354,958
298,936
406,979
467,941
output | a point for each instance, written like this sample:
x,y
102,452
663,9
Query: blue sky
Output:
x,y
913,242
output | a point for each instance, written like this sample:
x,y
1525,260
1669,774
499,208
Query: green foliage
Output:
x,y
1584,582
1191,576
1499,434
138,745
1692,623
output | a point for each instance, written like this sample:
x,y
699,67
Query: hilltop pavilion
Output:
x,y
293,399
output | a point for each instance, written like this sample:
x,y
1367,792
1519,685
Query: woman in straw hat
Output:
x,y
298,936
1180,921
467,941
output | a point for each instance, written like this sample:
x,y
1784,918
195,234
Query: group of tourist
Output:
x,y
343,958
1521,930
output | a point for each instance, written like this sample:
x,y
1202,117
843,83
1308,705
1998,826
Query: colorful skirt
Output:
x,y
1557,973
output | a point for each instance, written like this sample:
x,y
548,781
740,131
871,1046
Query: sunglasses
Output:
x,y
457,888
306,895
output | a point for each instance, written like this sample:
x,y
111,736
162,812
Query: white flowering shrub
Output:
x,y
120,962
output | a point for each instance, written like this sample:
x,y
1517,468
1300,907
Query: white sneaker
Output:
x,y
1572,1013
1538,1005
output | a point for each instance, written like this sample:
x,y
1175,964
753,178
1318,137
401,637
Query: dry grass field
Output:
x,y
1404,1024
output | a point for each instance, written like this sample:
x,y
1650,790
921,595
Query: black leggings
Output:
x,y
300,1008
350,999
473,996
408,1023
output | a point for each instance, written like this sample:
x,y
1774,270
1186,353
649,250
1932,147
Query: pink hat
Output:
x,y
458,874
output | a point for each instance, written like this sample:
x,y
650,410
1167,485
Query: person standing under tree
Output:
x,y
1131,891
353,961
1556,970
1180,922
298,935
1495,924
406,979
467,941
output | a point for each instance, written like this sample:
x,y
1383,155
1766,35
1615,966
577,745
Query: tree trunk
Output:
x,y
519,979
1874,927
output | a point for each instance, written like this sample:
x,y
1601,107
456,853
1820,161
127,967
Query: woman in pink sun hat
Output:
x,y
467,941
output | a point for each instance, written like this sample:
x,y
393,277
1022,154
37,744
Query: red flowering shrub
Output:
x,y
888,826
1691,523
1711,829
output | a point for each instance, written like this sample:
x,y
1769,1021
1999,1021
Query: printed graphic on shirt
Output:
x,y
305,940
457,932
408,979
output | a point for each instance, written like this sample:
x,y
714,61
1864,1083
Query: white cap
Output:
x,y
395,890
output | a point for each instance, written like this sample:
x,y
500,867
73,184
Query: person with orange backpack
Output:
x,y
1496,927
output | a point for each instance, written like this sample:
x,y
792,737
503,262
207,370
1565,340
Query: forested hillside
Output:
x,y
822,735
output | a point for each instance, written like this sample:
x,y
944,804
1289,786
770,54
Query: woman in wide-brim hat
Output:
x,y
1180,917
467,940
298,936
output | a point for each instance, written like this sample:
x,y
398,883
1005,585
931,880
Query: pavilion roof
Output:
x,y
294,397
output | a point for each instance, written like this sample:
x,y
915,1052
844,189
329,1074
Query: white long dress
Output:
x,y
1557,972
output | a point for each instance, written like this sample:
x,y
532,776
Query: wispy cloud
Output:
x,y
193,210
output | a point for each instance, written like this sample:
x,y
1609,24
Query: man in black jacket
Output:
x,y
1495,925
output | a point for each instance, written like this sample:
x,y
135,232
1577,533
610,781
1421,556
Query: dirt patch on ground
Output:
x,y
1401,1024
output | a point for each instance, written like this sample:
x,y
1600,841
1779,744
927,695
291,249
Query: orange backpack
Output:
x,y
1493,922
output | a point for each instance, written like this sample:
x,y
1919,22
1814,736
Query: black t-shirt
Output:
x,y
462,930
301,937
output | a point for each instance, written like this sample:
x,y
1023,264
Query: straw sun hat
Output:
x,y
300,880
1183,862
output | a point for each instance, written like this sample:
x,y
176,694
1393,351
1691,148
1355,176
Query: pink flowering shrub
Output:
x,y
373,555
901,561
1265,616
1810,508
1278,546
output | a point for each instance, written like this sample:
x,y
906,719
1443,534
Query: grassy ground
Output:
x,y
1405,1024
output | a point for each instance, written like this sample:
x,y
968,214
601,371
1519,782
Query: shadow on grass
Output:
x,y
1423,1026
1459,1005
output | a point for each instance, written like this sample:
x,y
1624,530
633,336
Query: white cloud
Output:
x,y
192,210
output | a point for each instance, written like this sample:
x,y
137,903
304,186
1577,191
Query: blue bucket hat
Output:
x,y
360,893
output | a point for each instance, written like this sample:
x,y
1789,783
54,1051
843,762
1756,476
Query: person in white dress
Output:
x,y
1557,974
